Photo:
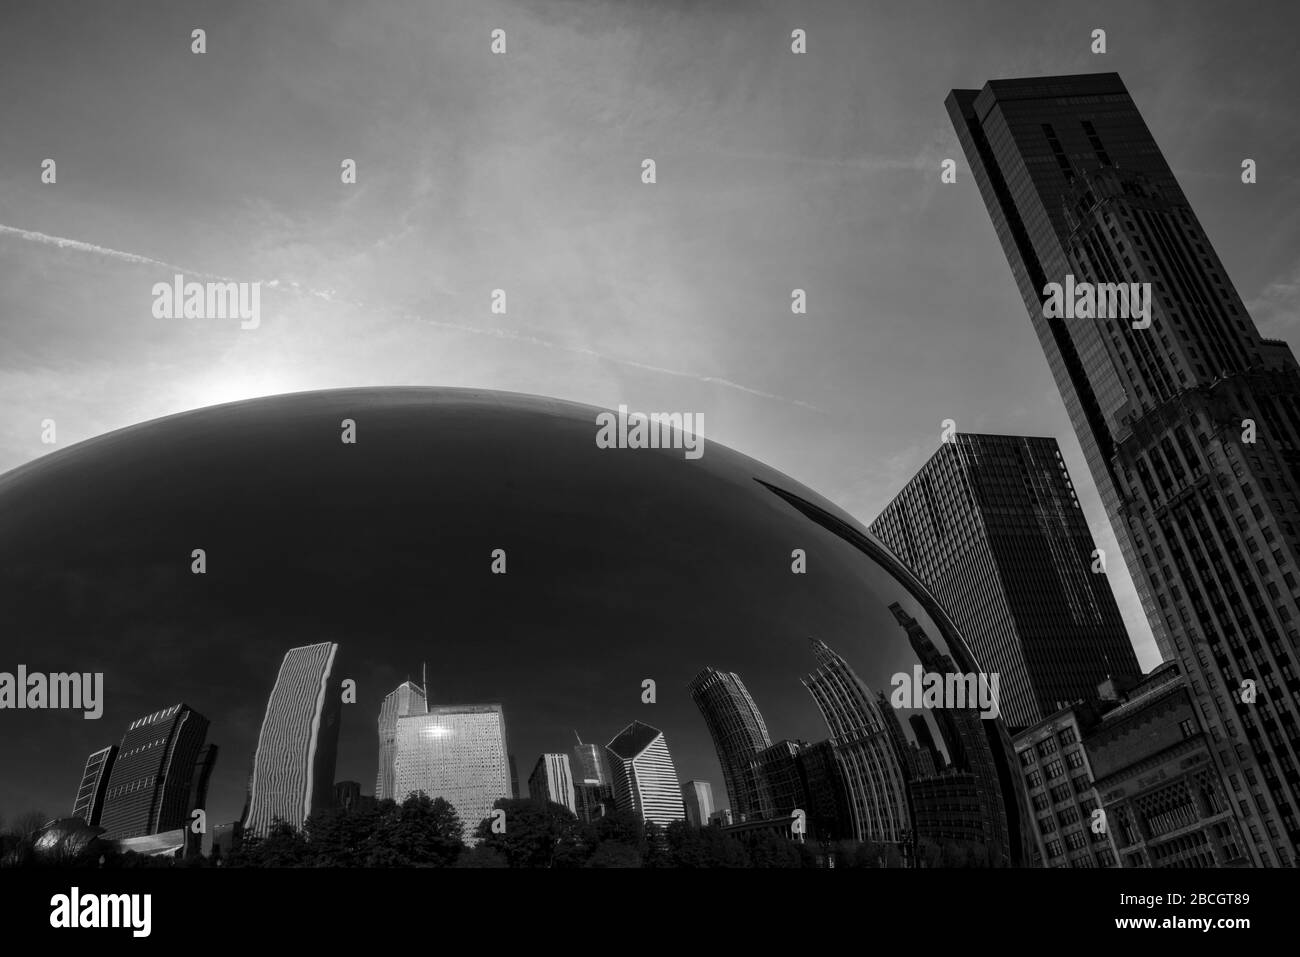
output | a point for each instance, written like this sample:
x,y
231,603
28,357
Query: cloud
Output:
x,y
329,295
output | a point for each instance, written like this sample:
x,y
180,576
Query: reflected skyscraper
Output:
x,y
151,786
406,699
868,762
89,804
552,780
1189,422
645,779
293,766
965,738
591,765
698,798
739,735
456,752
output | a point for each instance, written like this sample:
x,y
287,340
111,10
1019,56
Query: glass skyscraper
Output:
x,y
739,734
1191,426
293,767
992,527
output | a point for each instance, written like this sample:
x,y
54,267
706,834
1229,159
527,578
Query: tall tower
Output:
x,y
739,735
406,699
293,766
645,780
869,765
151,785
1190,426
991,525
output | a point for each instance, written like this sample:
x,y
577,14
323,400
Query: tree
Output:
x,y
420,832
769,849
615,854
481,856
283,846
537,834
703,847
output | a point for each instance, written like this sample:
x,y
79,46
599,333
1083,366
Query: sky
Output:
x,y
522,172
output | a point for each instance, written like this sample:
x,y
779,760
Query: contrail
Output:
x,y
60,242
77,245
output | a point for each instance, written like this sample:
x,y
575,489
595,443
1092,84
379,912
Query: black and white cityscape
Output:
x,y
345,543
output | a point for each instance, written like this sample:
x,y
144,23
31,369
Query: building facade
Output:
x,y
698,798
455,752
738,731
1059,781
868,761
406,699
552,780
645,779
151,787
1166,801
293,766
89,805
1190,423
991,525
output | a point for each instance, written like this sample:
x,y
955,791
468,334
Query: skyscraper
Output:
x,y
869,765
552,780
408,698
698,798
739,734
89,804
1190,425
991,525
645,780
455,752
591,765
151,786
293,766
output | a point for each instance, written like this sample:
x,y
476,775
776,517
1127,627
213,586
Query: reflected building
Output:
x,y
645,779
781,788
293,766
406,699
455,752
161,770
552,780
739,735
698,797
89,804
868,762
965,739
